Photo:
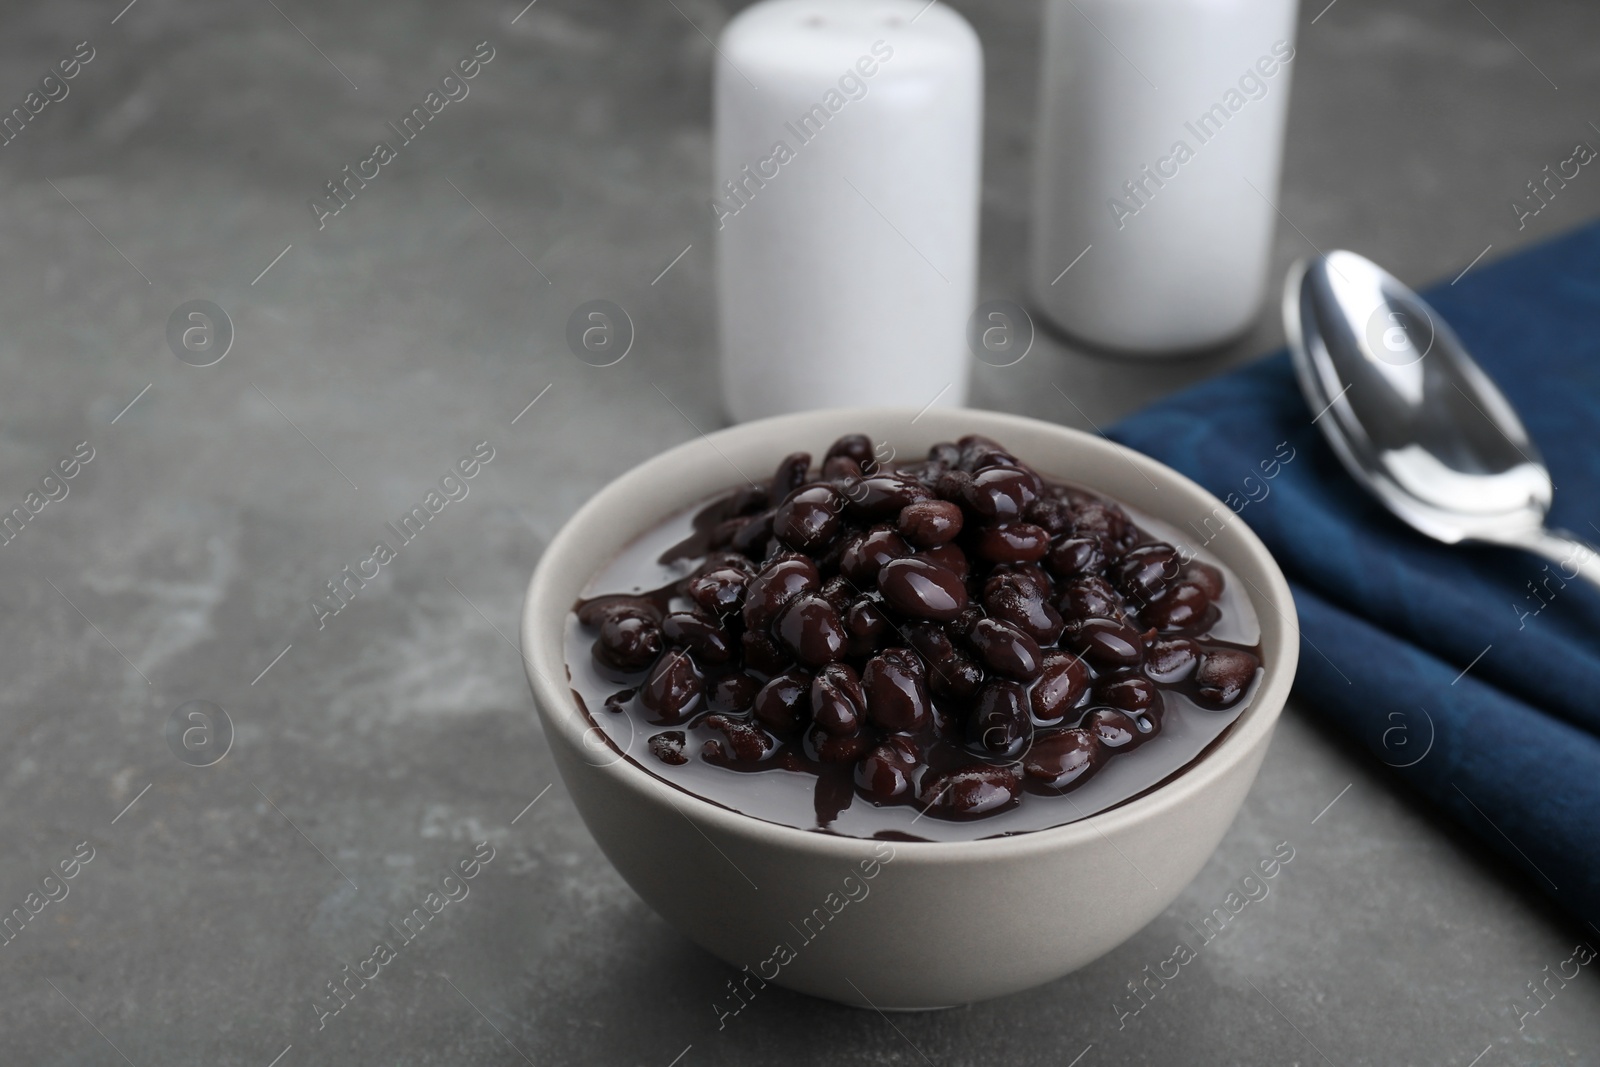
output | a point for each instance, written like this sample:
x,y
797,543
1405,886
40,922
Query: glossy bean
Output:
x,y
776,585
1206,576
971,792
885,773
830,748
882,496
999,493
1113,728
628,643
744,741
922,590
929,523
1132,693
1105,523
810,628
1054,515
837,704
1012,542
598,609
866,628
1011,598
1006,650
855,446
1224,674
784,702
669,747
1171,661
699,634
999,723
948,556
1145,571
1105,642
1091,598
1062,686
865,554
674,689
1062,759
733,693
1076,557
720,591
808,519
894,682
790,475
958,678
1183,606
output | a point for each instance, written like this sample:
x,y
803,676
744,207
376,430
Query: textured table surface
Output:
x,y
422,319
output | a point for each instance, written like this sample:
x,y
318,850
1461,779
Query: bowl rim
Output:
x,y
1250,730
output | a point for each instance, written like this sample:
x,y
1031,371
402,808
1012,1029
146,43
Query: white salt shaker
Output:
x,y
846,172
1158,149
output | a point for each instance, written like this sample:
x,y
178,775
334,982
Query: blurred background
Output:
x,y
371,354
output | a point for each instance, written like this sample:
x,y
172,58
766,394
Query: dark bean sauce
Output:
x,y
947,649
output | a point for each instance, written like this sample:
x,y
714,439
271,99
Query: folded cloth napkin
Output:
x,y
1473,671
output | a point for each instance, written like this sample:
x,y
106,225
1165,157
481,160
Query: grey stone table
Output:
x,y
372,354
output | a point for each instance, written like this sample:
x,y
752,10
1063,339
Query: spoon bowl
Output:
x,y
1412,417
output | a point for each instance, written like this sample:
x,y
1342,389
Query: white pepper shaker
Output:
x,y
1158,151
846,171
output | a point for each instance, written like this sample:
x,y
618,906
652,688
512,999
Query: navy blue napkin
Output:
x,y
1474,672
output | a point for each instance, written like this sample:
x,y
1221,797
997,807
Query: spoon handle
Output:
x,y
1573,557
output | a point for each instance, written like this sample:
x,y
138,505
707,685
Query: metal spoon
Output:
x,y
1413,418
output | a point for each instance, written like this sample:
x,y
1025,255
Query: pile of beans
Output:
x,y
958,631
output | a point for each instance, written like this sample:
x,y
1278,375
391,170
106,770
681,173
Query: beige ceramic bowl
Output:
x,y
914,924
